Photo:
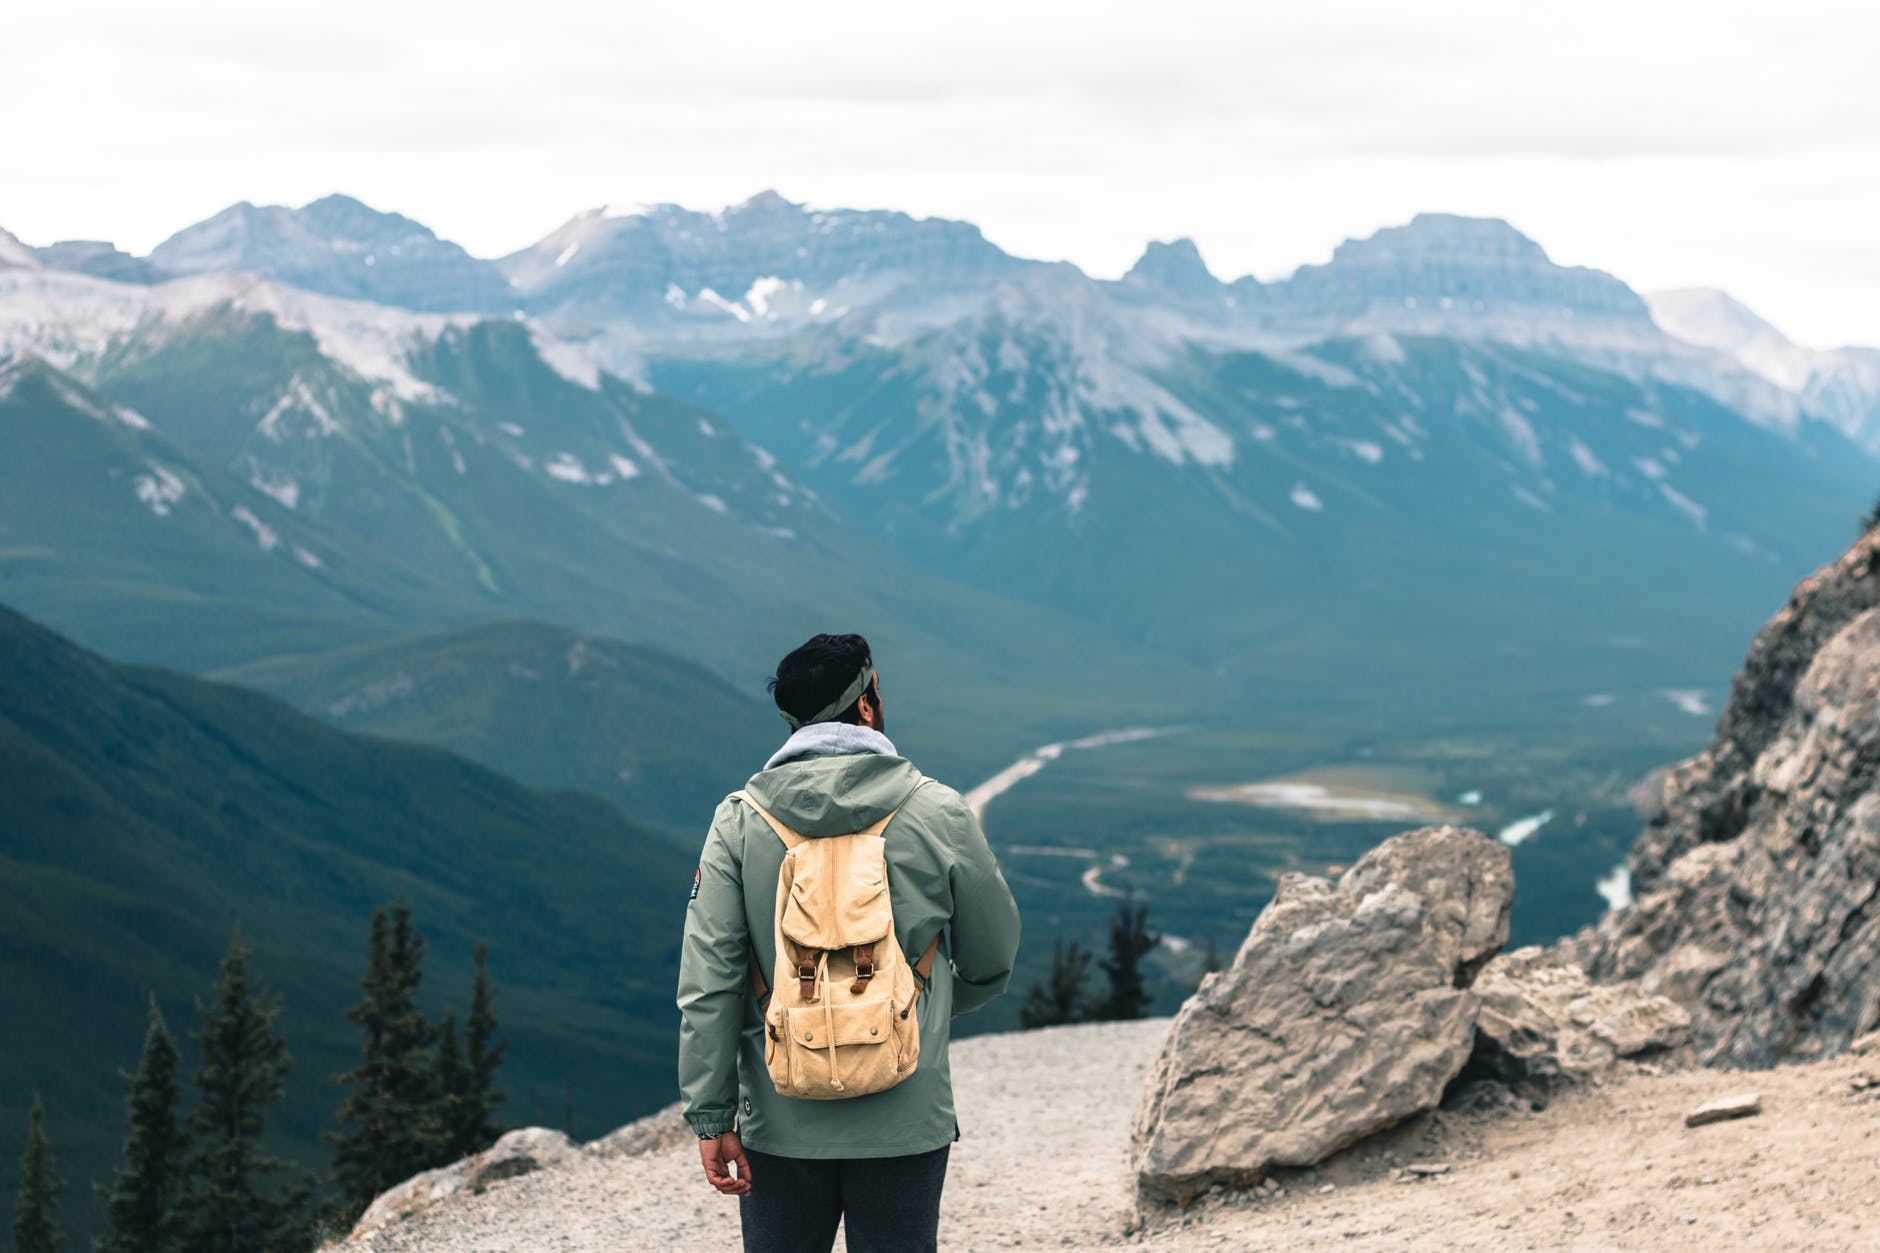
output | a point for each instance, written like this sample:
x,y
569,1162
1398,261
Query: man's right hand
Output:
x,y
719,1156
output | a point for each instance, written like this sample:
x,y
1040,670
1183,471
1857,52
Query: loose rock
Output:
x,y
1543,1020
1347,1010
521,1152
1724,1108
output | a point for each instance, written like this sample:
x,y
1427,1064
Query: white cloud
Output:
x,y
1674,143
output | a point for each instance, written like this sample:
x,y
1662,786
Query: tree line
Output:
x,y
1063,995
423,1094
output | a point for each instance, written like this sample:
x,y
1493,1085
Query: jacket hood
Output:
x,y
834,795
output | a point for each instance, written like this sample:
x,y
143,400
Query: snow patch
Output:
x,y
568,468
713,503
264,534
160,489
1590,465
1698,515
280,485
713,299
623,467
1305,498
1616,887
1521,434
1519,831
1688,699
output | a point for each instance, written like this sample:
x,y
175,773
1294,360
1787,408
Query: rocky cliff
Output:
x,y
1755,881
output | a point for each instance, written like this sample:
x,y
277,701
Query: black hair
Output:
x,y
817,672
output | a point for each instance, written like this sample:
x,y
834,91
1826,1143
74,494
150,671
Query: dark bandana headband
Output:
x,y
828,712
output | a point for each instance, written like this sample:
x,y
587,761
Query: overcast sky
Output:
x,y
1675,144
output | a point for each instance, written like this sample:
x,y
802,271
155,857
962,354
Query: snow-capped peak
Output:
x,y
1715,319
14,254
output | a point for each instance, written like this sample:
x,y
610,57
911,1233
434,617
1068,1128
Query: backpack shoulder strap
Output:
x,y
789,837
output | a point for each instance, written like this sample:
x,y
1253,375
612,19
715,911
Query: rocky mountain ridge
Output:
x,y
1756,885
768,265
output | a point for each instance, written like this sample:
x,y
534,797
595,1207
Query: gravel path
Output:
x,y
1042,1165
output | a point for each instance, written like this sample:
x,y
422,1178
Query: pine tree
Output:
x,y
143,1206
242,1070
1872,521
1211,964
1060,998
391,1127
1130,941
451,1082
477,1127
35,1229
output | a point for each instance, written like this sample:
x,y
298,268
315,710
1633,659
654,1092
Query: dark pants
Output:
x,y
888,1204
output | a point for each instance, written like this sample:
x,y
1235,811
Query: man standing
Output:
x,y
799,1167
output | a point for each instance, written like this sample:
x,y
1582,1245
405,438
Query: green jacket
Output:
x,y
941,874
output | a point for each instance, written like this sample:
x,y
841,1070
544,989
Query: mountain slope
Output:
x,y
521,482
148,814
1455,508
107,522
662,737
1841,387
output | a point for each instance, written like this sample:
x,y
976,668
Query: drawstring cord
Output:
x,y
829,1021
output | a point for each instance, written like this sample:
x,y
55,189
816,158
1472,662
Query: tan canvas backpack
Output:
x,y
839,1015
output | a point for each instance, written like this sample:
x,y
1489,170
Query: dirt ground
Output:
x,y
1043,1165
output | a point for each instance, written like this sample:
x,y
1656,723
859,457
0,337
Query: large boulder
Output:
x,y
520,1152
1755,882
1544,1022
1347,1009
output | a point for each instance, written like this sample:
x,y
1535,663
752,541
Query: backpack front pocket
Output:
x,y
842,1050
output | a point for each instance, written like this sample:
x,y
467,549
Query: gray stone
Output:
x,y
1543,1020
1757,882
654,1133
1743,1105
1346,1010
521,1152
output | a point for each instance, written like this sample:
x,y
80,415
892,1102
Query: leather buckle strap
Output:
x,y
864,968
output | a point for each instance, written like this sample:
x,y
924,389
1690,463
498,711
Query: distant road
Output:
x,y
1031,763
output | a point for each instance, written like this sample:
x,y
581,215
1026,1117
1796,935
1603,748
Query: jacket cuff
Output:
x,y
708,1125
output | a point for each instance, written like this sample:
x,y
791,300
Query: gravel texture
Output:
x,y
1044,1165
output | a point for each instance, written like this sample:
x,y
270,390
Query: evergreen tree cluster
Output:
x,y
1062,998
1871,522
424,1094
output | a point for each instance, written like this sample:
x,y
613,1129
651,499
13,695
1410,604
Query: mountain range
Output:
x,y
1441,439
